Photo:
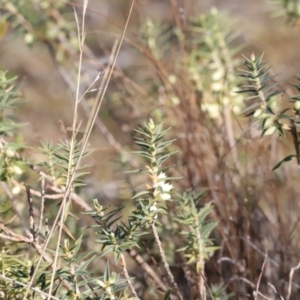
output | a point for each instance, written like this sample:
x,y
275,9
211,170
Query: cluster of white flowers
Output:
x,y
162,188
269,120
161,191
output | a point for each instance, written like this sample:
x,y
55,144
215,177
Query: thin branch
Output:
x,y
46,228
201,276
145,266
275,291
164,260
125,272
8,237
42,206
31,219
291,280
263,296
97,103
260,276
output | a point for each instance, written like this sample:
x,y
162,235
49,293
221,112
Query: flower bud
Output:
x,y
270,130
151,124
268,122
218,74
16,190
17,170
258,113
297,105
9,153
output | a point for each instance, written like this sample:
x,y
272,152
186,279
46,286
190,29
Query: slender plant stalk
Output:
x,y
81,40
125,272
291,281
260,276
100,90
164,260
42,206
230,136
145,266
51,165
201,276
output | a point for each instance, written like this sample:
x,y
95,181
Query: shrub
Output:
x,y
191,223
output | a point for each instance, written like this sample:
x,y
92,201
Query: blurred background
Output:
x,y
42,83
257,209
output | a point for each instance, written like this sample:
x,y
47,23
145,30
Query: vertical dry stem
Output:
x,y
42,206
201,278
125,272
31,219
165,263
260,276
291,280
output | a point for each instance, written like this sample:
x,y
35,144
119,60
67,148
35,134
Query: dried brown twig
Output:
x,y
260,276
291,280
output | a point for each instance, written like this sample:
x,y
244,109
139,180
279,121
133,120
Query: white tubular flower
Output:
x,y
165,188
153,208
161,178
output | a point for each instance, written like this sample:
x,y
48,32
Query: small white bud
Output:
x,y
9,153
297,105
268,122
258,113
216,86
218,74
16,190
172,78
17,170
28,38
270,130
151,124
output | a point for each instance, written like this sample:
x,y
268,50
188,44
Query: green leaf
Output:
x,y
140,194
167,294
107,272
273,95
284,161
254,105
269,110
85,264
143,144
285,117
